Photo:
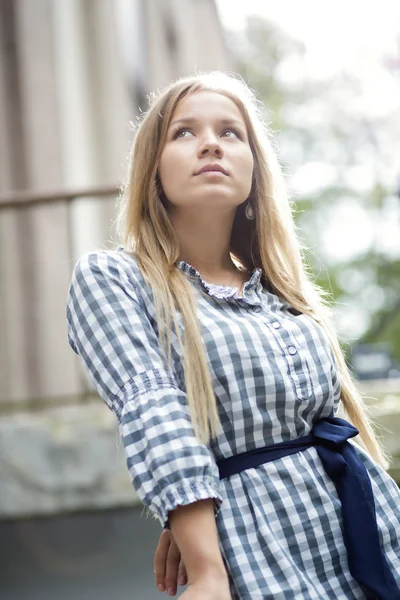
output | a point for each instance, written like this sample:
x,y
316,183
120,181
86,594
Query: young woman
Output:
x,y
206,337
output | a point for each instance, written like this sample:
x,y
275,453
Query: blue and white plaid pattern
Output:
x,y
274,374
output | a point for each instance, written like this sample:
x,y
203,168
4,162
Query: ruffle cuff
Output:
x,y
186,493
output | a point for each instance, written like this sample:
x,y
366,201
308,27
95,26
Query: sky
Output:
x,y
358,35
348,26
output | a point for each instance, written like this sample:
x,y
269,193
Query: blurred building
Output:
x,y
73,75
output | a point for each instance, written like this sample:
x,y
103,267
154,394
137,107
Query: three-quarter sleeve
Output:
x,y
110,329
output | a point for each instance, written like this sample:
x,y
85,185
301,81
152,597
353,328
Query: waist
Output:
x,y
366,558
259,456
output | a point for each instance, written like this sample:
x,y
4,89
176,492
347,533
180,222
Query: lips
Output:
x,y
212,167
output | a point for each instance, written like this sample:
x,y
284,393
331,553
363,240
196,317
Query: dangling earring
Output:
x,y
249,211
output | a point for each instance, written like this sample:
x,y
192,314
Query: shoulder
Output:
x,y
108,266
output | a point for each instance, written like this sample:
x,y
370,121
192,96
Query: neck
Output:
x,y
204,241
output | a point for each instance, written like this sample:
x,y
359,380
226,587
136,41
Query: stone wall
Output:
x,y
68,458
60,459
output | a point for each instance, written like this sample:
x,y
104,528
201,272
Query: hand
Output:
x,y
208,588
168,564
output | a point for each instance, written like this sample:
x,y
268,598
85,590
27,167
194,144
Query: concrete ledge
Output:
x,y
70,458
386,417
62,459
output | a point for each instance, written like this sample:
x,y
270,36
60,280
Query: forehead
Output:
x,y
205,104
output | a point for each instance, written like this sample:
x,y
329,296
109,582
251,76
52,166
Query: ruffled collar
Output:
x,y
251,293
251,289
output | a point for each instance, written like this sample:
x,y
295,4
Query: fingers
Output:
x,y
173,561
182,575
160,559
169,569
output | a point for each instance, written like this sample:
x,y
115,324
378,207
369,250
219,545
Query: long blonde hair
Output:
x,y
269,242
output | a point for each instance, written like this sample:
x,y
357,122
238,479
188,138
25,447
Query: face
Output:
x,y
207,131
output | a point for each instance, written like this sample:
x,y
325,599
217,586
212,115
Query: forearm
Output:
x,y
195,533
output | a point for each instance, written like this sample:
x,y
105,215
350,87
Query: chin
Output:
x,y
213,195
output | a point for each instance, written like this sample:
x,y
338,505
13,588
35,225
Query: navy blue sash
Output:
x,y
367,561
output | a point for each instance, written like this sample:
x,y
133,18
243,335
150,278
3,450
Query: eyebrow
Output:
x,y
192,120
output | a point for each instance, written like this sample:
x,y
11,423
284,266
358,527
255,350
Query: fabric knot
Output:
x,y
334,430
367,562
330,436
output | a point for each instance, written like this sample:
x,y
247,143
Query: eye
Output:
x,y
180,132
233,130
177,133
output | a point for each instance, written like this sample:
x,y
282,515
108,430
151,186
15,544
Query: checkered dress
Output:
x,y
274,374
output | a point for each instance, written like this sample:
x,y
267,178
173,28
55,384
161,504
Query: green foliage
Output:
x,y
321,120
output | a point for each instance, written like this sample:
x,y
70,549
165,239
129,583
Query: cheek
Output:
x,y
166,171
171,168
247,167
251,165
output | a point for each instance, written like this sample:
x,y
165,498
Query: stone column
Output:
x,y
34,245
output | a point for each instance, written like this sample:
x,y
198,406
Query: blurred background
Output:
x,y
73,75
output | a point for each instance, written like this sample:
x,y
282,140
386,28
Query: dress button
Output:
x,y
292,350
276,324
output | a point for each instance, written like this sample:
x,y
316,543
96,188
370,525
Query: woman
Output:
x,y
205,336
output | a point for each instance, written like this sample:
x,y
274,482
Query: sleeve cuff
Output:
x,y
186,493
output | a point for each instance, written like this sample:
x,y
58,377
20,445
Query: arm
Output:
x,y
192,522
110,329
195,533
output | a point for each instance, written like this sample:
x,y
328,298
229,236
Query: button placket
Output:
x,y
298,369
256,309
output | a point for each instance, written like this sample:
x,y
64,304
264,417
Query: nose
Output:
x,y
210,145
